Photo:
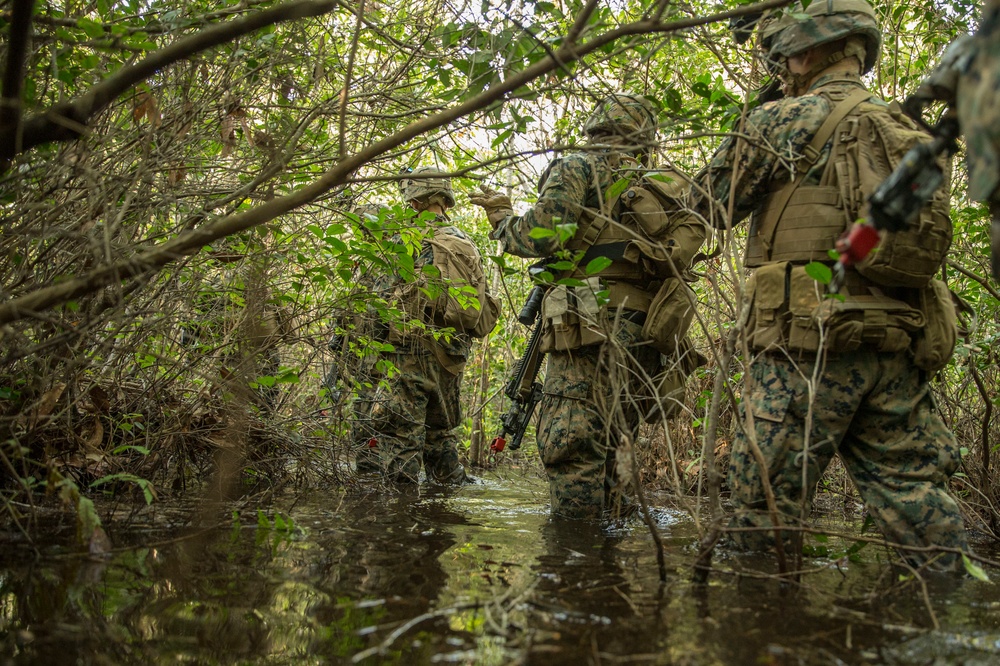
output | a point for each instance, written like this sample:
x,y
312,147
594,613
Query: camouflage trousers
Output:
x,y
415,419
875,411
587,411
362,433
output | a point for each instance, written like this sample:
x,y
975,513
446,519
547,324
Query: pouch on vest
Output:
x,y
645,210
572,317
872,321
769,314
669,316
792,310
488,320
934,345
670,384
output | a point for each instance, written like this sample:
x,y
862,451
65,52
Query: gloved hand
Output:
x,y
496,205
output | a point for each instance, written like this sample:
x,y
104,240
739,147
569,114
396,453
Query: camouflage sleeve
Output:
x,y
562,197
776,133
978,101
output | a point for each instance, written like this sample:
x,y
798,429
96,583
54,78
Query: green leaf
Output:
x,y
819,272
571,282
616,189
503,136
562,266
91,27
974,569
597,264
566,231
539,233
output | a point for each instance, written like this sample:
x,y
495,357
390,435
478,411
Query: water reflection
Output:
x,y
474,575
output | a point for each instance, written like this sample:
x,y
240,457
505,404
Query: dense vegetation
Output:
x,y
178,243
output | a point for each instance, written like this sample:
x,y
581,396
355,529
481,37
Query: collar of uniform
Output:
x,y
835,78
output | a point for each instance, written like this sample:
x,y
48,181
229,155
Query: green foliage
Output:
x,y
125,477
974,570
819,272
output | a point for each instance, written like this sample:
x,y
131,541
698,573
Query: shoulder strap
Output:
x,y
810,154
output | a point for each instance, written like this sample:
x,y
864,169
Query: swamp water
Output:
x,y
476,575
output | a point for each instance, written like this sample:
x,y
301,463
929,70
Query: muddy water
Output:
x,y
478,575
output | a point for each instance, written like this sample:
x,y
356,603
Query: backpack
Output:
x,y
911,256
869,141
455,289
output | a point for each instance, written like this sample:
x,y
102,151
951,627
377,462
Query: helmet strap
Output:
x,y
798,83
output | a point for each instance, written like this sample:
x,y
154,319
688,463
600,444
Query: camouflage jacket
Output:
x,y
978,104
456,347
776,135
570,186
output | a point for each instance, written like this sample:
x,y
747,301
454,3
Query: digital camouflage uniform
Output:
x,y
873,409
417,411
968,80
584,415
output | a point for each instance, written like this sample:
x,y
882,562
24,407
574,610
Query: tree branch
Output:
x,y
191,242
13,75
68,120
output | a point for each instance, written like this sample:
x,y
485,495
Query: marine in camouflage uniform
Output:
x,y
587,408
873,409
417,411
968,80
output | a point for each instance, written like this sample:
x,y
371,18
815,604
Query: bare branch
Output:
x,y
345,94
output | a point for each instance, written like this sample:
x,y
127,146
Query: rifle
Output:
x,y
522,389
898,199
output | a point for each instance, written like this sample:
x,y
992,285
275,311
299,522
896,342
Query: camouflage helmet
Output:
x,y
822,22
625,115
418,188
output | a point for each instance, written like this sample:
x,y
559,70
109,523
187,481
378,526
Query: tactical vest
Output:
x,y
631,228
637,249
800,223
